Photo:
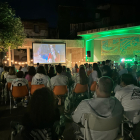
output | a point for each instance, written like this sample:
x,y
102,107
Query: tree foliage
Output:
x,y
11,28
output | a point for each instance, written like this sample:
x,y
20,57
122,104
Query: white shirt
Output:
x,y
10,78
118,87
123,71
24,70
39,79
93,77
19,82
129,96
59,80
105,107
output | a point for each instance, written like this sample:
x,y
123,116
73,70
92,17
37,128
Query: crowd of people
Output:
x,y
116,93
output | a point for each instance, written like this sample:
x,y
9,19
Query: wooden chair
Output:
x,y
18,92
35,87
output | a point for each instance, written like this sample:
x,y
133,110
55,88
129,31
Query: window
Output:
x,y
97,15
36,28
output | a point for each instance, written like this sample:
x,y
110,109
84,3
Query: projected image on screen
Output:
x,y
48,53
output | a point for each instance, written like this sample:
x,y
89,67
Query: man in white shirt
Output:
x,y
20,81
102,105
129,94
122,69
24,69
59,79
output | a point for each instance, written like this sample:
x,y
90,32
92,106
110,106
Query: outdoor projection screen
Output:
x,y
49,53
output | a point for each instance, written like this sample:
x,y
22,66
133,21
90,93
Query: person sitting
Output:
x,y
20,68
129,68
11,75
24,69
59,79
101,67
40,117
6,73
81,77
41,78
103,105
107,62
95,74
75,69
122,69
106,71
128,95
37,66
20,81
51,72
30,74
64,72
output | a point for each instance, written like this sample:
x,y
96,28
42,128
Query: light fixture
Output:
x,y
7,58
15,62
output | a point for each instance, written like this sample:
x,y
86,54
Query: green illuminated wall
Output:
x,y
90,47
97,50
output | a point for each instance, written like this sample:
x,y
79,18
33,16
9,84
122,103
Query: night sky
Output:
x,y
34,9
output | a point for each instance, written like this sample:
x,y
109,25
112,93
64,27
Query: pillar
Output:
x,y
13,56
28,56
9,54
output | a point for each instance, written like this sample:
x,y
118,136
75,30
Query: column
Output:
x,y
28,56
13,56
9,54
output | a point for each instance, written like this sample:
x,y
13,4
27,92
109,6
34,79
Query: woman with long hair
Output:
x,y
30,74
95,74
39,119
11,75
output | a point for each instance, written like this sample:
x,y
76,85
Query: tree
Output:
x,y
11,29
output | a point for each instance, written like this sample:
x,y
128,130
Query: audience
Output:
x,y
95,74
19,81
122,69
106,71
129,68
81,77
41,78
37,66
59,79
11,75
20,68
24,69
51,72
75,69
46,68
103,106
107,62
64,72
41,115
30,74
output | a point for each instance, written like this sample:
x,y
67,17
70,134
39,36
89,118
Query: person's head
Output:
x,y
51,71
107,62
20,67
37,64
64,68
122,66
128,65
25,65
41,109
82,74
126,79
5,68
12,71
103,63
96,68
59,69
32,71
106,71
41,70
104,87
20,74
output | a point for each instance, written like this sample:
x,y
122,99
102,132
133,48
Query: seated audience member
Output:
x,y
59,79
37,66
107,62
11,75
41,78
40,117
128,95
30,74
64,72
122,69
95,74
101,67
1,68
87,67
20,68
129,68
2,74
46,68
74,70
51,72
103,106
106,71
24,69
81,77
19,81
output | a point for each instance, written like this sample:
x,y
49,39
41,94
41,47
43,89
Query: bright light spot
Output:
x,y
7,58
15,62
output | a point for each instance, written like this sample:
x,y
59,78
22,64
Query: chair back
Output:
x,y
60,90
89,72
19,91
35,87
29,83
8,86
80,88
97,123
93,86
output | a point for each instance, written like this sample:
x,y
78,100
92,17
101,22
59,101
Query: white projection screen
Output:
x,y
46,53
